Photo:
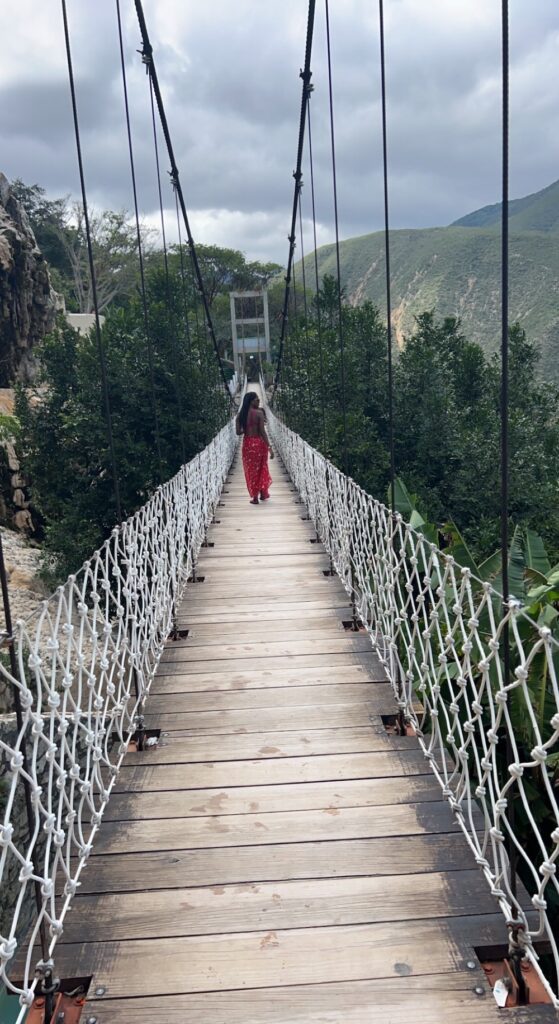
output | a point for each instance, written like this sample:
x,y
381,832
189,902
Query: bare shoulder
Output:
x,y
260,415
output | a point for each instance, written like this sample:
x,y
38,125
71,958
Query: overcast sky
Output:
x,y
229,71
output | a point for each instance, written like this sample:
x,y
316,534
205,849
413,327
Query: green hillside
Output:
x,y
537,212
456,271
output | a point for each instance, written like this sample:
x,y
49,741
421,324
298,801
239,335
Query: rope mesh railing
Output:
x,y
85,663
438,630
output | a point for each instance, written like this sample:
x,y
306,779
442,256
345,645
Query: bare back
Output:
x,y
255,423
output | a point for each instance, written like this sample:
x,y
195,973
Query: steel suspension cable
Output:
x,y
100,349
303,272
147,328
183,284
147,57
306,75
337,233
158,178
305,307
390,381
317,286
171,319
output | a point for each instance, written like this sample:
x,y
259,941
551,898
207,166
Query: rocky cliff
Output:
x,y
27,301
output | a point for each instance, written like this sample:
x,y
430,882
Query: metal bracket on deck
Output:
x,y
68,1003
510,991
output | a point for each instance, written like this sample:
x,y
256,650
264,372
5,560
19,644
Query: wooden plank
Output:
x,y
428,999
272,697
332,716
213,632
302,558
264,829
243,580
345,643
288,662
264,959
290,549
260,678
327,796
316,591
178,746
215,609
317,903
311,588
216,636
132,872
381,765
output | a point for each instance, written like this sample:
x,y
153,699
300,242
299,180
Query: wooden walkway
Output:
x,y
278,857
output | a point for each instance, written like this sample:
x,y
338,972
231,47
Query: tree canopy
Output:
x,y
446,415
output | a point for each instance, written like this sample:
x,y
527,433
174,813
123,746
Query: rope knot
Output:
x,y
8,948
6,834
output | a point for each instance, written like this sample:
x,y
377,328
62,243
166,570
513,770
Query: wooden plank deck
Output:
x,y
278,857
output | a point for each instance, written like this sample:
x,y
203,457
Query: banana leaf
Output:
x,y
535,553
405,504
488,569
548,592
534,578
458,547
515,568
403,500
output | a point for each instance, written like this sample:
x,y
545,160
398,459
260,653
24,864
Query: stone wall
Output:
x,y
27,301
15,497
25,588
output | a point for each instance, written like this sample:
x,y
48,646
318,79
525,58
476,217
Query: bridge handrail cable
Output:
x,y
437,630
85,661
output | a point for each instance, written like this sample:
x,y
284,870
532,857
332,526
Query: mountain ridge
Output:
x,y
455,271
538,211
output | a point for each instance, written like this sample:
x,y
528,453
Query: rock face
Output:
x,y
27,301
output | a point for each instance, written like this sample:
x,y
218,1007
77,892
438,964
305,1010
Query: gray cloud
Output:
x,y
230,79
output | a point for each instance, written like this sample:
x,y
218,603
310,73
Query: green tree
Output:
x,y
63,430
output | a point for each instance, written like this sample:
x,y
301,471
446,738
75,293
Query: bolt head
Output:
x,y
471,965
91,1020
100,991
479,991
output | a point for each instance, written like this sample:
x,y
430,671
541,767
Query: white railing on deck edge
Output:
x,y
437,631
86,661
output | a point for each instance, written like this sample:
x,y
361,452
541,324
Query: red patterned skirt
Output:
x,y
255,465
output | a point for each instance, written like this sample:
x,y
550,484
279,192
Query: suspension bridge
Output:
x,y
263,764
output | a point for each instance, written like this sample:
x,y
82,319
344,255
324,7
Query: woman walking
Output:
x,y
251,423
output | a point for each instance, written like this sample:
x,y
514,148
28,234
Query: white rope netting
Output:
x,y
438,632
86,660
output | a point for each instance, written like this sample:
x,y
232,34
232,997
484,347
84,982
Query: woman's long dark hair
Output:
x,y
243,412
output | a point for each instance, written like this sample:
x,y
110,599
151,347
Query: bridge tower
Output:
x,y
250,327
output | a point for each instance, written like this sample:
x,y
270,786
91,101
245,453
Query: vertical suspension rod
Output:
x,y
306,75
512,852
387,263
317,286
337,244
345,457
147,56
171,319
147,328
100,349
